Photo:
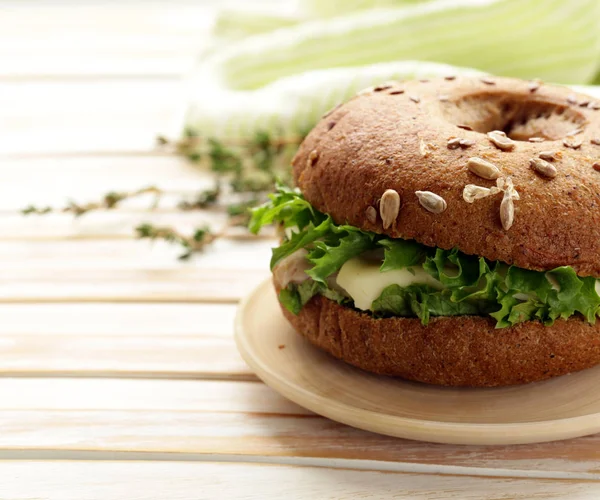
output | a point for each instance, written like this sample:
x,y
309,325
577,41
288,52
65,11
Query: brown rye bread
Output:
x,y
453,351
379,141
396,137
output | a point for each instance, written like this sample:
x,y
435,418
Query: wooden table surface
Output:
x,y
120,377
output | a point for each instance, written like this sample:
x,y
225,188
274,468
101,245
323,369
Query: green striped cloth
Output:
x,y
283,80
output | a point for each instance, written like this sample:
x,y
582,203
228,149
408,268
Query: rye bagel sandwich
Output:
x,y
447,232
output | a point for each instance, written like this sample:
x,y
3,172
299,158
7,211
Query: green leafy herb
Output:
x,y
290,298
422,301
35,210
453,268
339,245
245,171
472,284
191,244
402,253
295,296
203,199
109,201
300,239
286,206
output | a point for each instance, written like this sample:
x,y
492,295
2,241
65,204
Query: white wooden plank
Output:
x,y
234,434
107,320
152,286
130,271
108,20
54,180
82,340
56,116
65,395
54,102
112,224
120,224
208,480
178,340
134,134
85,64
29,259
165,356
233,419
101,38
90,39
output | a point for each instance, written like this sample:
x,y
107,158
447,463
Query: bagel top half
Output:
x,y
422,136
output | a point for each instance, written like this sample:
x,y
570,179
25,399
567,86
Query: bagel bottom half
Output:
x,y
452,351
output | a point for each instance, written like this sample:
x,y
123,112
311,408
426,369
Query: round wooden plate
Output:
x,y
559,408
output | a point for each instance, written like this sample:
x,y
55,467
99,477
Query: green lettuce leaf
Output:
x,y
422,301
295,296
342,244
300,240
572,294
453,268
575,294
474,285
485,287
286,206
290,299
329,245
507,302
399,254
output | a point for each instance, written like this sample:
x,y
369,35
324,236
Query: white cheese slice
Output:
x,y
364,282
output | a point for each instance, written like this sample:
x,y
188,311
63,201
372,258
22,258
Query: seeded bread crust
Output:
x,y
452,351
396,137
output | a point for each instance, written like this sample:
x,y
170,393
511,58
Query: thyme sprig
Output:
x,y
246,172
250,165
109,201
196,242
202,199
